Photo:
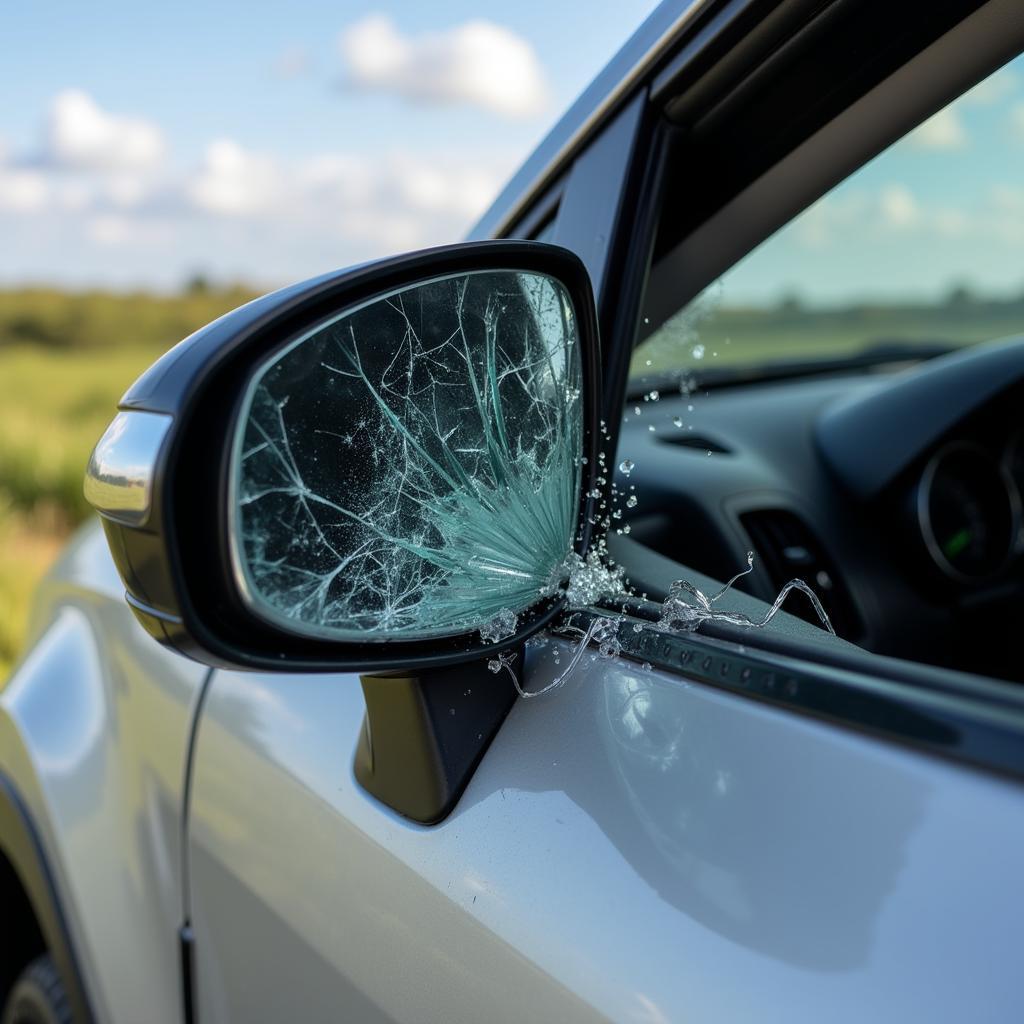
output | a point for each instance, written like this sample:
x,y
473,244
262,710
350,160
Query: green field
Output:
x,y
64,362
65,359
789,331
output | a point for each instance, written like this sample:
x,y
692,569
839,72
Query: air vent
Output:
x,y
787,549
696,441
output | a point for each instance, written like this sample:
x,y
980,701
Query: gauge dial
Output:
x,y
968,512
1013,463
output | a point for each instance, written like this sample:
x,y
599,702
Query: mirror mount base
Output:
x,y
425,733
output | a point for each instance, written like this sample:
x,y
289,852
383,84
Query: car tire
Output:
x,y
38,996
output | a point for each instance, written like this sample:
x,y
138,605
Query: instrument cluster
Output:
x,y
968,505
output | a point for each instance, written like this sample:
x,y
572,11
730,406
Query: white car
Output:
x,y
398,685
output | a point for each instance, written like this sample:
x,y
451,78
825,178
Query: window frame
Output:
x,y
696,248
609,205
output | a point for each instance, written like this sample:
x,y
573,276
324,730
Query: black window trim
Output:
x,y
719,234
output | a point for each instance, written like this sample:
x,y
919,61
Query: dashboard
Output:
x,y
894,491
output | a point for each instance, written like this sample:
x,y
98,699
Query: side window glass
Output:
x,y
922,248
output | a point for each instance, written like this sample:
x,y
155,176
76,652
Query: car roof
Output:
x,y
605,94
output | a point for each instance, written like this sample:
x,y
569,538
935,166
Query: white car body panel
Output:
x,y
633,847
94,729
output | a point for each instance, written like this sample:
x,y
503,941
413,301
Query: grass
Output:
x,y
737,336
65,360
53,407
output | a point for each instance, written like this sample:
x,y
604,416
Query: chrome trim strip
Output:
x,y
598,112
119,478
147,609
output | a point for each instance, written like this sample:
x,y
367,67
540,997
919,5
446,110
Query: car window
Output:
x,y
922,248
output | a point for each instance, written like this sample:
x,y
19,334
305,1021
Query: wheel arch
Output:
x,y
28,892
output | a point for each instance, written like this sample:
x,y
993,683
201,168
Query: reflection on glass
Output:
x,y
917,252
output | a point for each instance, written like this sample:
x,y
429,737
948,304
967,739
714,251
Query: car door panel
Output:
x,y
312,901
634,847
99,718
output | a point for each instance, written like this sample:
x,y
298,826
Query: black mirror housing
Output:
x,y
162,476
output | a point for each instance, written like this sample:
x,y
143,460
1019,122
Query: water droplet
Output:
x,y
653,396
637,411
689,408
631,501
626,467
652,428
697,351
647,319
677,421
709,453
626,528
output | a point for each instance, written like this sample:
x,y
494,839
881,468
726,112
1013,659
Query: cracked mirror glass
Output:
x,y
411,468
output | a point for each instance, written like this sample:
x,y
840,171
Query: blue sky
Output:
x,y
139,143
943,207
142,143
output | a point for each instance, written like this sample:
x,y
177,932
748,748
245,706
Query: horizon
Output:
x,y
272,149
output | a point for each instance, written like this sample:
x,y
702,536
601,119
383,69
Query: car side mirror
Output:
x,y
384,468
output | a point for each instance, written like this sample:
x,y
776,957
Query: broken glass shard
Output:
x,y
411,467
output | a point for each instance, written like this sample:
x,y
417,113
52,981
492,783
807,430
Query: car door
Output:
x,y
340,926
716,827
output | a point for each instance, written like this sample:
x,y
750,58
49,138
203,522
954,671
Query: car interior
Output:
x,y
829,368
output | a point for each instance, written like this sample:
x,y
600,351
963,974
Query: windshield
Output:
x,y
919,251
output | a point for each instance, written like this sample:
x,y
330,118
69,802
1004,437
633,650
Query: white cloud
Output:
x,y
1017,121
80,134
477,63
234,181
950,222
898,206
123,231
237,212
1008,199
108,229
339,189
943,130
991,90
22,191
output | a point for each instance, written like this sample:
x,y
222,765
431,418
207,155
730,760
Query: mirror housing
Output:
x,y
165,476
